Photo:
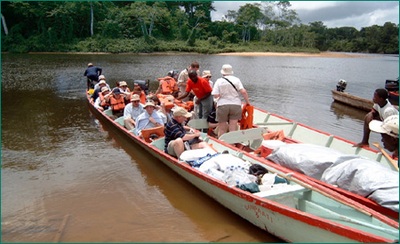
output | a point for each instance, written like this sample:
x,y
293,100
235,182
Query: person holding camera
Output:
x,y
177,134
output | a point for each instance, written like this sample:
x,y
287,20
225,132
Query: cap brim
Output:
x,y
376,126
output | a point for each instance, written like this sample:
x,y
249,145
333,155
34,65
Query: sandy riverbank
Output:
x,y
322,54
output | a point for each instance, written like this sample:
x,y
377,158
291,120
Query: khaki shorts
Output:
x,y
170,149
229,112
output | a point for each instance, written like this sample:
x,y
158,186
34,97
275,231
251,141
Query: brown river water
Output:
x,y
67,178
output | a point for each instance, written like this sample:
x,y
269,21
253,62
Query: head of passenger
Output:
x,y
135,99
193,75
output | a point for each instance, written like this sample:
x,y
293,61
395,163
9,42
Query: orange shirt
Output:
x,y
200,88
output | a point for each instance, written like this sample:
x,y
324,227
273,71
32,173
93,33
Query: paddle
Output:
x,y
391,160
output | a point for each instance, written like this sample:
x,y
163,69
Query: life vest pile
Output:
x,y
168,85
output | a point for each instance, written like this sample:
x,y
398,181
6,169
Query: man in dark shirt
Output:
x,y
92,73
176,135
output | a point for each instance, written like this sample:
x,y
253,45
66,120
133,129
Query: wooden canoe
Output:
x,y
298,212
351,100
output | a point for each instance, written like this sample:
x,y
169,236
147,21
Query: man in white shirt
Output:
x,y
226,91
381,109
132,111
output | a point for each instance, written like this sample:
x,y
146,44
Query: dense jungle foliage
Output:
x,y
183,26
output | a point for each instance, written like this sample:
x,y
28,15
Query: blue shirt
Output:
x,y
143,122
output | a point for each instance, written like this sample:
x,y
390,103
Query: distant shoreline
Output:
x,y
283,54
243,54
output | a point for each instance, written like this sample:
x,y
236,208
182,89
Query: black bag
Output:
x,y
257,170
194,140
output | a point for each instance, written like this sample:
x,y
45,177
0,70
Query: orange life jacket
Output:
x,y
117,104
246,122
103,101
168,85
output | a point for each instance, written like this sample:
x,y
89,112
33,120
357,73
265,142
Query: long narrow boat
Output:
x,y
352,100
298,211
299,133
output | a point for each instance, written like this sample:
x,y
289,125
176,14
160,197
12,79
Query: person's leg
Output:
x,y
366,131
128,124
233,125
222,118
207,106
235,113
177,147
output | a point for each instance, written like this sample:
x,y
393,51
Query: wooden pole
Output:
x,y
391,160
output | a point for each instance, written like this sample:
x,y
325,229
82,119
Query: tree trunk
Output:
x,y
91,19
3,21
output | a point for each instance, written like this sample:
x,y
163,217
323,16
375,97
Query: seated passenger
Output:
x,y
100,103
389,130
97,90
132,111
148,119
101,77
117,103
123,87
176,135
138,90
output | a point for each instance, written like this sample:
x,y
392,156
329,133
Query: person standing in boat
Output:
x,y
92,73
132,111
389,130
176,134
202,90
148,119
381,109
183,78
100,103
206,75
226,91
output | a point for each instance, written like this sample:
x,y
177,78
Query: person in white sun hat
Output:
x,y
226,92
389,130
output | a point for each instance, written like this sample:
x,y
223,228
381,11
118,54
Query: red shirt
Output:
x,y
200,88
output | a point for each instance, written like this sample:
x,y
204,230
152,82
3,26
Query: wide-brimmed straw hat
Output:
x,y
180,111
389,126
149,104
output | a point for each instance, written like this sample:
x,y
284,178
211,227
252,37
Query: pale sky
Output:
x,y
332,13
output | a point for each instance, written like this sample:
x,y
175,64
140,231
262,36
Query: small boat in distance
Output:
x,y
339,95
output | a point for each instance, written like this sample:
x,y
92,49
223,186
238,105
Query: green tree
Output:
x,y
249,16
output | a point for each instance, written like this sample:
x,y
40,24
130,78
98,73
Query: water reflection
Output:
x,y
342,111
